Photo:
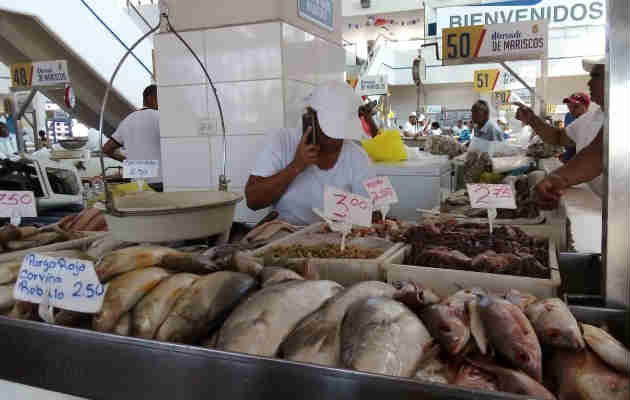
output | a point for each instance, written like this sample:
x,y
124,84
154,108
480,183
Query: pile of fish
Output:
x,y
389,229
526,207
14,239
444,145
471,247
540,149
476,164
474,339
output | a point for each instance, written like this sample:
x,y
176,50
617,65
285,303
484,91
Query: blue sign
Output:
x,y
320,12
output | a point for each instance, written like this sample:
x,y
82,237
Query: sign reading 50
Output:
x,y
460,44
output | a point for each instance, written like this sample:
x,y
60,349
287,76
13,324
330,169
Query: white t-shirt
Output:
x,y
436,132
490,131
307,190
139,133
457,130
411,129
582,131
8,146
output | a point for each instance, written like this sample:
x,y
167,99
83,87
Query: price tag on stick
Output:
x,y
381,192
347,207
141,169
491,197
17,204
59,282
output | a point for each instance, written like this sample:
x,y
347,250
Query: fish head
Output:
x,y
447,325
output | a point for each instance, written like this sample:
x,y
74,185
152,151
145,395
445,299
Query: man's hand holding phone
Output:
x,y
306,154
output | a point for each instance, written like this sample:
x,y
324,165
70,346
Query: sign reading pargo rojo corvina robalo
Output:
x,y
491,43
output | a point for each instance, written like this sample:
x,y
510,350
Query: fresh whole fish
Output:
x,y
581,375
383,336
140,257
152,310
261,323
477,328
511,334
272,275
554,324
472,377
434,369
449,322
512,381
9,271
415,296
6,297
206,300
246,264
317,338
520,299
105,245
607,348
40,239
123,326
123,293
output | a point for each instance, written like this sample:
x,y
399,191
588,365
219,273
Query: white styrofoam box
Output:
x,y
175,64
295,94
186,162
183,111
244,52
248,107
242,154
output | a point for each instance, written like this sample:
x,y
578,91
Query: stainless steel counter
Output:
x,y
102,366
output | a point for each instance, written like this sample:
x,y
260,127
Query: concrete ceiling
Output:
x,y
25,38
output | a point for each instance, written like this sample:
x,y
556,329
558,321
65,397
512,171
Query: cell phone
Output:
x,y
308,120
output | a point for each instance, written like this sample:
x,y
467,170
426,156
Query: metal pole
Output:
x,y
19,135
616,223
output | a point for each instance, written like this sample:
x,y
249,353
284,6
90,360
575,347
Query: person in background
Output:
x,y
435,129
291,173
8,145
486,128
139,133
458,128
584,129
43,139
464,135
578,104
587,165
411,128
9,109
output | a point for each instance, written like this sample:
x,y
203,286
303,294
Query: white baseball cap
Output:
x,y
337,107
412,114
590,63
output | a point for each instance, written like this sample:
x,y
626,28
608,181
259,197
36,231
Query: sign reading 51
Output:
x,y
461,44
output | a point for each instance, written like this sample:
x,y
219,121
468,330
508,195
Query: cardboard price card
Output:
x,y
17,204
141,169
497,42
485,80
381,191
491,196
347,207
68,283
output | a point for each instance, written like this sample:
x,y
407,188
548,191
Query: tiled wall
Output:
x,y
262,73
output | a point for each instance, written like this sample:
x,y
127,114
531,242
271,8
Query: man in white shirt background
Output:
x,y
487,129
458,128
412,127
8,145
139,133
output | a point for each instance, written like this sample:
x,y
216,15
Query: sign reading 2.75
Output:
x,y
498,42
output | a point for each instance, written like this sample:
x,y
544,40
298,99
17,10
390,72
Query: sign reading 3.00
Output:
x,y
499,42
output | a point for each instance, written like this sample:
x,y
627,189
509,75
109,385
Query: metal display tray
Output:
x,y
104,366
302,235
445,281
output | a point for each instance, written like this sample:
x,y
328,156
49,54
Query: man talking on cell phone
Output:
x,y
296,165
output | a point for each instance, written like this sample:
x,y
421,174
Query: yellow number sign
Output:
x,y
459,45
485,80
22,75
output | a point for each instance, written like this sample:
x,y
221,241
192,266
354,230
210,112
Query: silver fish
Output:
x,y
512,335
581,375
261,323
607,348
123,293
152,310
477,328
272,275
383,336
317,338
123,326
6,297
206,300
554,324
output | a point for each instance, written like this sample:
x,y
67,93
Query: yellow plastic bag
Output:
x,y
386,146
120,190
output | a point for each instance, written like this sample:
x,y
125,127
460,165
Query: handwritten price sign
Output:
x,y
381,191
68,283
343,206
491,196
141,169
17,203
